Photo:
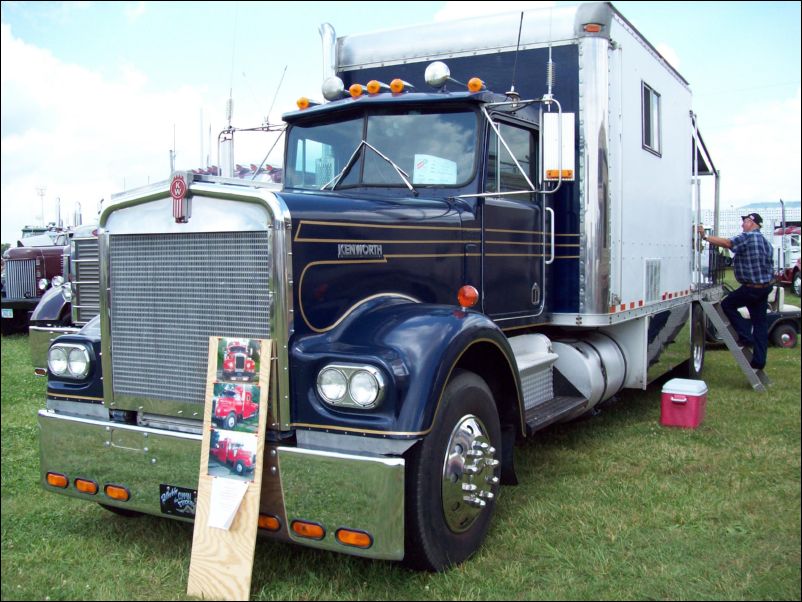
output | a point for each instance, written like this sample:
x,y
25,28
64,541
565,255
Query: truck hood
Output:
x,y
349,249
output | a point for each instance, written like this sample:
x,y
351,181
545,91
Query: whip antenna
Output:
x,y
512,93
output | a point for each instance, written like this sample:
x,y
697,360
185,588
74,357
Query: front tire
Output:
x,y
452,477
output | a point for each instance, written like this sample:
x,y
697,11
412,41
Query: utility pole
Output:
x,y
40,190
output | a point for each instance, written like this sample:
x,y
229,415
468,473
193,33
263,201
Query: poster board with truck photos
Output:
x,y
230,479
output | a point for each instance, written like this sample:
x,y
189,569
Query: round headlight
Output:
x,y
364,388
43,284
57,360
331,384
58,281
78,362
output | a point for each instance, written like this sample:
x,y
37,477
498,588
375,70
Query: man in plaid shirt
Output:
x,y
754,270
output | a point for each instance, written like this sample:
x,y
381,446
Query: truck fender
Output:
x,y
418,347
53,308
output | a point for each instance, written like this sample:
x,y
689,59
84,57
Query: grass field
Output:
x,y
613,507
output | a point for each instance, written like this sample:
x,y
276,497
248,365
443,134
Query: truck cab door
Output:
x,y
513,259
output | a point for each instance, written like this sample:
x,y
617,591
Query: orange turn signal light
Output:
x,y
86,486
467,296
308,530
554,174
116,492
592,27
303,103
57,480
356,539
271,523
356,90
475,84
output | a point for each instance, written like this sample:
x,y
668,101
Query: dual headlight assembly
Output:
x,y
69,360
353,386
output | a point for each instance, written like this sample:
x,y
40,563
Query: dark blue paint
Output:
x,y
414,345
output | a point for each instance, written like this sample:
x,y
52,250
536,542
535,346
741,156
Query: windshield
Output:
x,y
434,148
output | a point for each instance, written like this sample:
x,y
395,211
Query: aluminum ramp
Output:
x,y
757,378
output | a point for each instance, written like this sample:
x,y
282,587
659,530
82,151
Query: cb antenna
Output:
x,y
511,93
280,81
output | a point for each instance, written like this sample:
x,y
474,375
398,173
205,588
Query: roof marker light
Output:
x,y
303,103
399,85
375,86
475,84
356,90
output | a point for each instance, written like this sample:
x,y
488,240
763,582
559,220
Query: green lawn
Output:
x,y
613,507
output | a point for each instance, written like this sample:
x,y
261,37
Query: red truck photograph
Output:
x,y
233,403
232,454
238,362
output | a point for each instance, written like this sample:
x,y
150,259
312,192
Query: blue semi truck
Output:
x,y
465,250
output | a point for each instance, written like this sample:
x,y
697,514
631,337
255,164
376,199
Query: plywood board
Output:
x,y
222,560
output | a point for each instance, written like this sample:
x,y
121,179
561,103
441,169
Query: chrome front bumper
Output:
x,y
357,492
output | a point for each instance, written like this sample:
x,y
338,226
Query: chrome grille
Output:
x,y
21,279
170,293
86,280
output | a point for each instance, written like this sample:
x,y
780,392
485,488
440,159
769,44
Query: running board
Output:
x,y
757,378
549,412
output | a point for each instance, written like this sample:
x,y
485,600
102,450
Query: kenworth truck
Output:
x,y
446,271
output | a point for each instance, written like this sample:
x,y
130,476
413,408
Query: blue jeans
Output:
x,y
756,330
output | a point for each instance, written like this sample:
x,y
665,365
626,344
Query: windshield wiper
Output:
x,y
401,173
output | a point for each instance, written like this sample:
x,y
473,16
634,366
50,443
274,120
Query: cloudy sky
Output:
x,y
96,94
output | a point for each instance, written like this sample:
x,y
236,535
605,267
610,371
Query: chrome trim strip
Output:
x,y
594,265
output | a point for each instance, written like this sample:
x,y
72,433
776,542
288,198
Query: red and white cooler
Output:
x,y
683,403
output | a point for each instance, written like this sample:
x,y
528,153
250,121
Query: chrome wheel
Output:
x,y
469,474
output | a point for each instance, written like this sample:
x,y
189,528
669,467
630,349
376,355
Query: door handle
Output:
x,y
551,259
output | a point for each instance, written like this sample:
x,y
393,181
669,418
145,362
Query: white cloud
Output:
x,y
669,54
463,10
134,11
67,128
758,152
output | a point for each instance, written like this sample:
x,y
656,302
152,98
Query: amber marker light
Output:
x,y
467,296
118,493
57,480
271,523
356,539
475,84
303,103
356,90
397,86
374,87
308,530
592,27
86,486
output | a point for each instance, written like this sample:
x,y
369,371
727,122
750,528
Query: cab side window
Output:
x,y
502,173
